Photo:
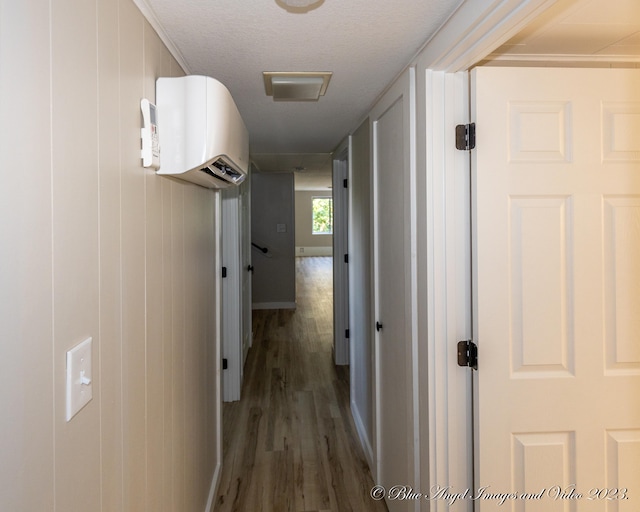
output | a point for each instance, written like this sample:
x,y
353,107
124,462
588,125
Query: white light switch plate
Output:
x,y
79,380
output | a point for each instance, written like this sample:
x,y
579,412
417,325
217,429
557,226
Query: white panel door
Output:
x,y
557,288
231,306
340,263
245,249
394,225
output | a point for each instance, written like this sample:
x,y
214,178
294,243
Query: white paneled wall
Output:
x,y
26,319
92,244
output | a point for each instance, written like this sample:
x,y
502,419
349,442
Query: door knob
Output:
x,y
378,326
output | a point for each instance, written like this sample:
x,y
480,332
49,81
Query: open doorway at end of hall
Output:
x,y
321,231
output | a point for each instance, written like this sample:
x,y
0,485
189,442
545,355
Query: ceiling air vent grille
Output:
x,y
296,86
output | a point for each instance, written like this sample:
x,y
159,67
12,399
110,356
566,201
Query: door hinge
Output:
x,y
346,258
468,354
225,364
466,136
345,183
224,272
346,333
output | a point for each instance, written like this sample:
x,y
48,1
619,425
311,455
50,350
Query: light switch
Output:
x,y
79,380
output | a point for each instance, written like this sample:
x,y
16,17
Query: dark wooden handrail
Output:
x,y
262,249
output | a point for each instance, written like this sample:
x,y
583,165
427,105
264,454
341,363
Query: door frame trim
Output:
x,y
444,262
476,29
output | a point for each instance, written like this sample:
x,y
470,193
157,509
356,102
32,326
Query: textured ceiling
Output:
x,y
365,43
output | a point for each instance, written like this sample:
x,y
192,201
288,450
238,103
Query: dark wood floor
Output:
x,y
289,443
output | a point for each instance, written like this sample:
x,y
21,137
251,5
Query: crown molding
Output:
x,y
150,16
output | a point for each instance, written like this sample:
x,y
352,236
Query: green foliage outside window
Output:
x,y
322,208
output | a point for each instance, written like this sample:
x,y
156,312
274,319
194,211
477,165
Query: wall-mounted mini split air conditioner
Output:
x,y
202,136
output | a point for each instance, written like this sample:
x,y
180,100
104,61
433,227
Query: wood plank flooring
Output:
x,y
289,443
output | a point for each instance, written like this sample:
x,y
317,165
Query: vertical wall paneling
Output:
x,y
156,63
177,349
133,259
26,349
110,353
167,345
190,394
94,245
75,242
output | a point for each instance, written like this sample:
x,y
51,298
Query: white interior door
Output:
x,y
557,288
231,294
340,261
395,351
245,270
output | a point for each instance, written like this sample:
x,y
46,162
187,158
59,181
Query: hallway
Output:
x,y
290,444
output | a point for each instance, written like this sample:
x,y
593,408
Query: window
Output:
x,y
322,208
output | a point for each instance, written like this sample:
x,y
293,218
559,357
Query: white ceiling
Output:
x,y
312,170
580,30
366,44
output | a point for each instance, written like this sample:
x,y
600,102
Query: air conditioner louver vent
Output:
x,y
224,174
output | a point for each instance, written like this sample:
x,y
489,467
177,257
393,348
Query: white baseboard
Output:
x,y
314,251
273,305
362,435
